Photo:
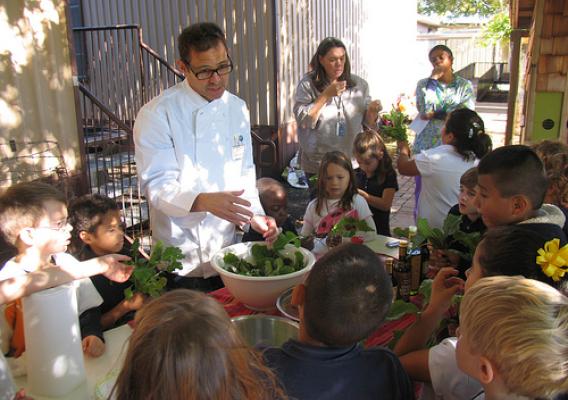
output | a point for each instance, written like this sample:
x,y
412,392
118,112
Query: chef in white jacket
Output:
x,y
194,159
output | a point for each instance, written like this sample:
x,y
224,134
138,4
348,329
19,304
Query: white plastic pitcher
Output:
x,y
53,342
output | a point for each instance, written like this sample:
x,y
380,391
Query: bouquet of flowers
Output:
x,y
394,125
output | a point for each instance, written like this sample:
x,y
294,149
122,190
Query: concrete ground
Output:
x,y
495,118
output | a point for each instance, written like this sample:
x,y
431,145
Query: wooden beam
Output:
x,y
515,44
533,70
514,13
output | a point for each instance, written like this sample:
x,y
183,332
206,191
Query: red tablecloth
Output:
x,y
381,337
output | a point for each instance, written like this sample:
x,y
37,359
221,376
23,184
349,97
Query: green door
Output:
x,y
547,111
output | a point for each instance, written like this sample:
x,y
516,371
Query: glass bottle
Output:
x,y
403,275
389,267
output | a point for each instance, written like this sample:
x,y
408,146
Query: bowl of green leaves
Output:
x,y
256,274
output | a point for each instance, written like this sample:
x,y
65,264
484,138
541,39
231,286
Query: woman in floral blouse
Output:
x,y
437,96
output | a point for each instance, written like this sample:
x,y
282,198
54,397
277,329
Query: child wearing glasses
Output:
x,y
97,231
33,219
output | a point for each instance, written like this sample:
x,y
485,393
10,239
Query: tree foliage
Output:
x,y
453,8
497,30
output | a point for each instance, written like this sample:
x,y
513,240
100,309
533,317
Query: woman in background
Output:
x,y
437,96
331,105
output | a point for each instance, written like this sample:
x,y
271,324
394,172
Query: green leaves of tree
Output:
x,y
497,30
454,8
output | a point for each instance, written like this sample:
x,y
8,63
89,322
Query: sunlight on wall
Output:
x,y
37,105
389,45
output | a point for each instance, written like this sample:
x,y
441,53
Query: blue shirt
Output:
x,y
312,372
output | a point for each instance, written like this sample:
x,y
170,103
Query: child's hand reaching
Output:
x,y
307,242
113,268
93,346
135,302
444,287
266,226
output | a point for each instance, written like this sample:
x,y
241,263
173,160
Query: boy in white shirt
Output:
x,y
33,219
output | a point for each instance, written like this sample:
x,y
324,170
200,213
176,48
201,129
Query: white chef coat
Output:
x,y
186,145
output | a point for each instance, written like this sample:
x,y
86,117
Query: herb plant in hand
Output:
x,y
394,126
148,275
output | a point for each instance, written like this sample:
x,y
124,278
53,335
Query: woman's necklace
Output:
x,y
340,124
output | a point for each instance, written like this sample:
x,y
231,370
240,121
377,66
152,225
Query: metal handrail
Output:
x,y
105,110
263,142
162,61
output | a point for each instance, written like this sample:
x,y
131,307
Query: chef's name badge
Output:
x,y
238,150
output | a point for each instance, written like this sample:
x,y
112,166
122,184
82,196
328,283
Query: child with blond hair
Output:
x,y
33,219
503,251
518,351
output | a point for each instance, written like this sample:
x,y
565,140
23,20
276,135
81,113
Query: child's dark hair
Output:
x,y
468,129
512,250
469,178
554,156
86,213
22,206
348,295
516,170
340,159
370,144
268,185
199,37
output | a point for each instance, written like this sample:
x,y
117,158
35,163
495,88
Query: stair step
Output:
x,y
97,137
135,214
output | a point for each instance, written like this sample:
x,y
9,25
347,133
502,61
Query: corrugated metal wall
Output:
x,y
302,24
248,25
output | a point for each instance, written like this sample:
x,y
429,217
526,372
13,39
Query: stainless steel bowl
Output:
x,y
266,330
284,305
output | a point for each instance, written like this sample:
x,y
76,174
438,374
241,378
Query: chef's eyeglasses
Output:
x,y
208,73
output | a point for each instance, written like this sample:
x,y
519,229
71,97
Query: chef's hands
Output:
x,y
225,205
335,89
266,226
233,208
